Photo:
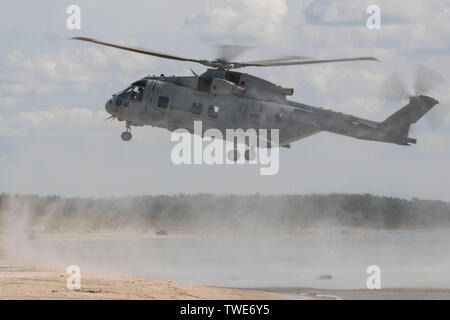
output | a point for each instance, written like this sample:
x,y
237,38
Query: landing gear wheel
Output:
x,y
233,155
126,136
250,154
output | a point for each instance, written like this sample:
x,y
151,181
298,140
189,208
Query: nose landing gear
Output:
x,y
126,135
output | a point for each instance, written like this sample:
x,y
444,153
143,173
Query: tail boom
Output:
x,y
394,129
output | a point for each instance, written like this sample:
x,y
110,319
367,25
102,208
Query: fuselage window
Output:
x,y
204,84
233,77
213,112
197,108
163,102
278,118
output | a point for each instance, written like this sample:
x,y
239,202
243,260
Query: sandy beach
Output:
x,y
127,265
27,283
36,284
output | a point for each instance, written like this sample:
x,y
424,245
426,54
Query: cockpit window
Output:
x,y
134,92
137,93
125,93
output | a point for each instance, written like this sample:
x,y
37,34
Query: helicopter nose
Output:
x,y
109,106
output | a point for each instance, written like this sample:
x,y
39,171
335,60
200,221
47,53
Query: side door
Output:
x,y
180,111
148,102
162,105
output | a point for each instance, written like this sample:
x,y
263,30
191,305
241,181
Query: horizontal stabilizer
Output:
x,y
400,121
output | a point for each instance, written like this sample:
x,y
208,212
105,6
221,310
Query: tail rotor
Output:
x,y
425,81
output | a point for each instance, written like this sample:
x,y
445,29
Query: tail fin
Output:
x,y
398,124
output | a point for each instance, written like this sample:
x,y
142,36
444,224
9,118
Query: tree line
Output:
x,y
203,212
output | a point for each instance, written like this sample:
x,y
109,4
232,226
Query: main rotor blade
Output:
x,y
269,61
138,50
426,79
290,63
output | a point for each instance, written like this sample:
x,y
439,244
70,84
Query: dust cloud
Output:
x,y
321,241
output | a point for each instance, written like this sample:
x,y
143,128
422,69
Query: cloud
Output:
x,y
7,101
36,117
81,70
54,138
404,26
256,19
35,124
353,12
335,13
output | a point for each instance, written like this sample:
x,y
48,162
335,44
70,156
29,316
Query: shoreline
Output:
x,y
33,280
361,294
27,283
33,284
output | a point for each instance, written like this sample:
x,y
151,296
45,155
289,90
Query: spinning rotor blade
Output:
x,y
426,80
268,61
438,115
138,50
228,52
394,89
291,63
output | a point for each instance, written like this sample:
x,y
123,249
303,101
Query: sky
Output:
x,y
54,140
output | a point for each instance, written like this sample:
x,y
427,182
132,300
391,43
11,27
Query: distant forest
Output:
x,y
207,212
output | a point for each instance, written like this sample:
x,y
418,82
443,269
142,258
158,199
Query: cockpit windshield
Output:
x,y
134,92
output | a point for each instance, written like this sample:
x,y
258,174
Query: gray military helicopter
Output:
x,y
226,99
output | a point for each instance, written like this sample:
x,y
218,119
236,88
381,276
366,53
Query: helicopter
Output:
x,y
223,98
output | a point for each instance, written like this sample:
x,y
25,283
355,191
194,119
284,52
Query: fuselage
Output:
x,y
232,100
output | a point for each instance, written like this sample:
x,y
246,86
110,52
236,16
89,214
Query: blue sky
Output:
x,y
54,140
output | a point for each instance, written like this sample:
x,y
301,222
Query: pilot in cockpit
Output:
x,y
133,93
139,93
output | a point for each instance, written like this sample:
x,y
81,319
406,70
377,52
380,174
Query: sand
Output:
x,y
37,284
26,283
20,282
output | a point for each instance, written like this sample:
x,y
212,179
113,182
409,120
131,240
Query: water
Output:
x,y
406,259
